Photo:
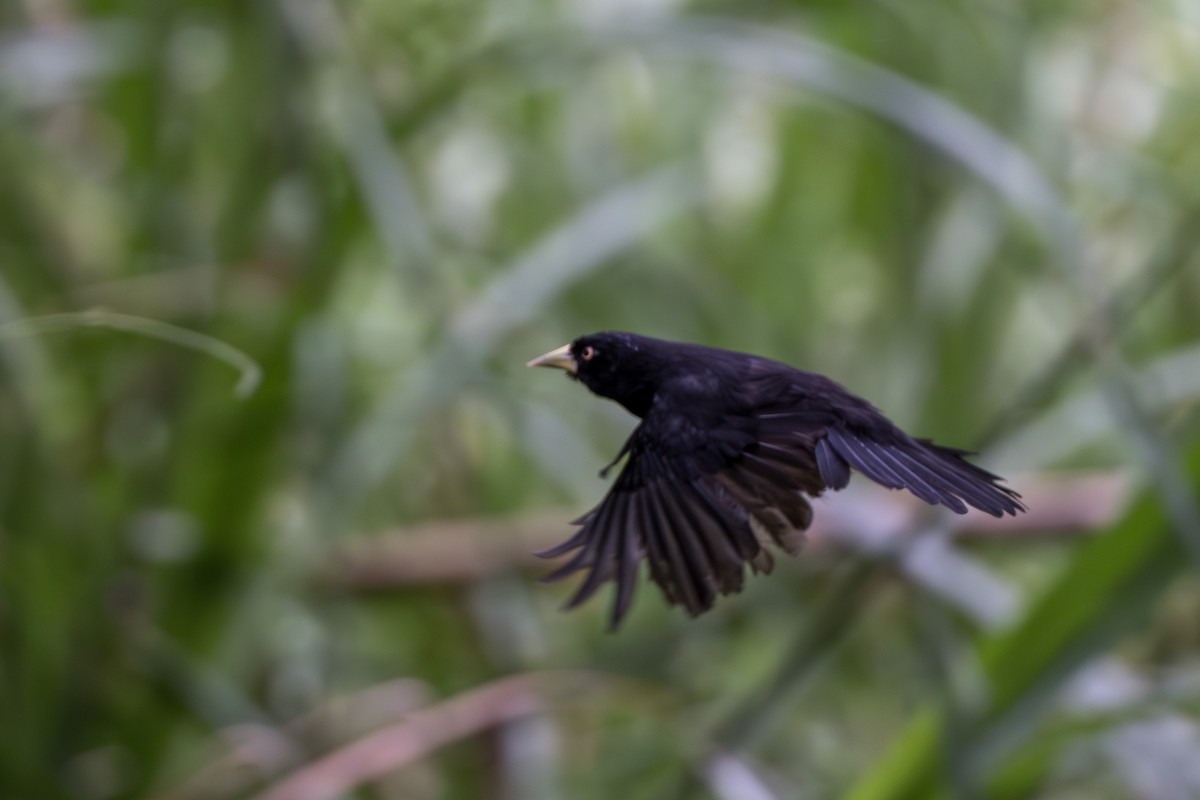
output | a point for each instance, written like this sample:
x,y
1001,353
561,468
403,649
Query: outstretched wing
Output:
x,y
700,495
696,501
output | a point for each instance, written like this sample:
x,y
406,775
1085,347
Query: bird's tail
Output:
x,y
936,474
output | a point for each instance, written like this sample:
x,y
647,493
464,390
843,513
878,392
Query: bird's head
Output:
x,y
620,366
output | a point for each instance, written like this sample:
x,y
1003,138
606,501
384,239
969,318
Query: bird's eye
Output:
x,y
588,352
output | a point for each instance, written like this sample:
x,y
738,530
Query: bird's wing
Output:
x,y
703,488
695,498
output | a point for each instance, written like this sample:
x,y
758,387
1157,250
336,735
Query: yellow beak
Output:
x,y
560,358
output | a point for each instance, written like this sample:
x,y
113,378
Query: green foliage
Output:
x,y
269,273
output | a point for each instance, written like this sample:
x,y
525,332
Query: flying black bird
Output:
x,y
728,447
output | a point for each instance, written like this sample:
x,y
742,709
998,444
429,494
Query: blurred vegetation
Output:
x,y
270,270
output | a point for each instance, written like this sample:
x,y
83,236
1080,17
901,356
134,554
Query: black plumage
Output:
x,y
729,446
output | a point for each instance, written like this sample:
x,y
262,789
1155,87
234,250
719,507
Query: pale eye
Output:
x,y
588,352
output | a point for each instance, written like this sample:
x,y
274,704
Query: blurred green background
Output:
x,y
271,464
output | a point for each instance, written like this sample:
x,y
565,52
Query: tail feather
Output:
x,y
938,475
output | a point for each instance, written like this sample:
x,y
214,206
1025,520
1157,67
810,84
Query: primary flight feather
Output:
x,y
728,448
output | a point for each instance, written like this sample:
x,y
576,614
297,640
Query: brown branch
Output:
x,y
423,732
253,753
467,550
447,551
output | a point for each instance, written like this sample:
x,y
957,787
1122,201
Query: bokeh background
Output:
x,y
271,464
